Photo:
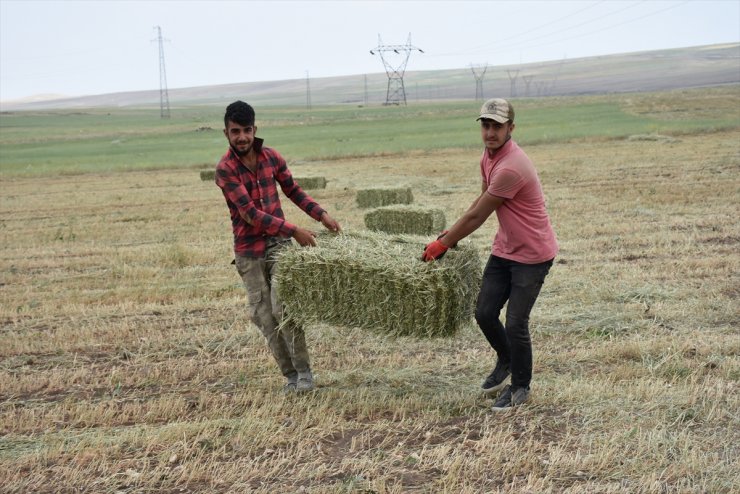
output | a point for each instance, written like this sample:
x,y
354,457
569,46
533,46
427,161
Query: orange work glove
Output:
x,y
434,250
444,232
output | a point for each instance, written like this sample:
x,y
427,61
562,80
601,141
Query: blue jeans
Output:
x,y
519,284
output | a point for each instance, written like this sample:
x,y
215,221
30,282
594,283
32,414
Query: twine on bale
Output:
x,y
411,220
373,198
378,282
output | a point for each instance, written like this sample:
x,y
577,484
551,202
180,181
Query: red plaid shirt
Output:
x,y
253,200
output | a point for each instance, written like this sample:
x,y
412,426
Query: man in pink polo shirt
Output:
x,y
523,251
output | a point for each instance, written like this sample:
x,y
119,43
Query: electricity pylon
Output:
x,y
396,92
478,81
164,99
512,80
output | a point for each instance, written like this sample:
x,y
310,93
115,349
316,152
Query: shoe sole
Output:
x,y
497,388
507,407
502,409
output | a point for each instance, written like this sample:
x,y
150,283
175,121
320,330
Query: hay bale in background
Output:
x,y
311,182
411,220
304,182
378,282
374,198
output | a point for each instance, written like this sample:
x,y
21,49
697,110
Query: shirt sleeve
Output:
x,y
505,183
294,192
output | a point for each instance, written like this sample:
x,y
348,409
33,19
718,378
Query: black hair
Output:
x,y
239,112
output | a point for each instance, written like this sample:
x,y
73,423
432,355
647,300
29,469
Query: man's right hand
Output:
x,y
434,250
445,232
305,238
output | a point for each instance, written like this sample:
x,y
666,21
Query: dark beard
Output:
x,y
241,154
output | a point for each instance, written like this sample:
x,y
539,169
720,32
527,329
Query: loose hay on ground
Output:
x,y
378,282
374,198
403,219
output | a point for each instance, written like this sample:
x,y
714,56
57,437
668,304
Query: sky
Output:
x,y
79,48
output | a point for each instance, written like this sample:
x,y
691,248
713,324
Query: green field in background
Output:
x,y
101,140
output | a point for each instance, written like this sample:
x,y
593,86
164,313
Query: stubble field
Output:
x,y
128,364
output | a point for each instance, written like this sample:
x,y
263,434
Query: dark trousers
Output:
x,y
519,284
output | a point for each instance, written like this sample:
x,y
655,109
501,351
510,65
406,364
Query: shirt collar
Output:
x,y
503,150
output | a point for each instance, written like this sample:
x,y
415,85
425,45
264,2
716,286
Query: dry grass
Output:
x,y
128,363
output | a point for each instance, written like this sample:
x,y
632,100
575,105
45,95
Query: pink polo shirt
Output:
x,y
525,234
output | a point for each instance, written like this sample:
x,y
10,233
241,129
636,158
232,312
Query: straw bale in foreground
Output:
x,y
374,198
208,175
411,220
308,183
378,282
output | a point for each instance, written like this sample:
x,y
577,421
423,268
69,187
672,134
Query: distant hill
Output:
x,y
660,70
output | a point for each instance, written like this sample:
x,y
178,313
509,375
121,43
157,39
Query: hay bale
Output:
x,y
405,219
379,282
374,198
308,183
652,138
208,175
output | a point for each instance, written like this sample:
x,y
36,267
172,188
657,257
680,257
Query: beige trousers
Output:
x,y
287,344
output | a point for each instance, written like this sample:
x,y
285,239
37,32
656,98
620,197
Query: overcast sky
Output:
x,y
76,48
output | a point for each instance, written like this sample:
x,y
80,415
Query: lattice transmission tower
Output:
x,y
513,74
164,99
395,67
478,80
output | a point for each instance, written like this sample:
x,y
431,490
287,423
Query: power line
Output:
x,y
520,34
650,14
531,43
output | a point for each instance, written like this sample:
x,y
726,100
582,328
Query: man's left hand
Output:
x,y
434,250
330,223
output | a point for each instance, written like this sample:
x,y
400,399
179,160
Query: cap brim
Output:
x,y
490,116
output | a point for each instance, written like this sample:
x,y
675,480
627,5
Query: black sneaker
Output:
x,y
510,398
496,379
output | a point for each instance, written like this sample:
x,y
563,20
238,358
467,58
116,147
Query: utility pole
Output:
x,y
527,83
396,92
365,89
478,81
308,92
164,99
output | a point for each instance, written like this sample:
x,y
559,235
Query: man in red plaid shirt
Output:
x,y
248,174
